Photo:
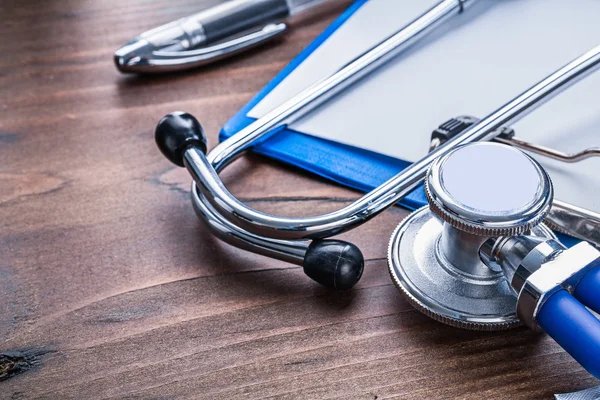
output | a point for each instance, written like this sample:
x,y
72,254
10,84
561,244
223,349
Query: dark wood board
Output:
x,y
111,288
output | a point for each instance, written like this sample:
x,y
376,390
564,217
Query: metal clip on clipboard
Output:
x,y
563,217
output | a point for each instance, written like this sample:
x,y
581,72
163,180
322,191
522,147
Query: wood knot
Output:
x,y
14,363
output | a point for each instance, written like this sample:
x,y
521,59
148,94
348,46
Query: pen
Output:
x,y
207,36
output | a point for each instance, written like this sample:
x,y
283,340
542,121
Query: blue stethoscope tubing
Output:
x,y
566,319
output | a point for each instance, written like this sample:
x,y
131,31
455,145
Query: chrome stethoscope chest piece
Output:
x,y
475,192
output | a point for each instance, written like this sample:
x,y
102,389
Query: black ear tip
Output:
x,y
176,132
334,263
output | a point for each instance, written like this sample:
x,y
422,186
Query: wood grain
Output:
x,y
111,288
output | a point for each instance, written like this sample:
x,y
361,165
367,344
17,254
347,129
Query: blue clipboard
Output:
x,y
347,165
350,166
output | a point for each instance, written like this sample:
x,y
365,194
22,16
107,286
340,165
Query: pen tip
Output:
x,y
131,55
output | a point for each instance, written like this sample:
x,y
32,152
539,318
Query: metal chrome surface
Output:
x,y
563,217
474,298
575,221
285,250
488,200
204,170
518,256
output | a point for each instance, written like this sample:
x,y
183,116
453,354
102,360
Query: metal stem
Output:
x,y
285,250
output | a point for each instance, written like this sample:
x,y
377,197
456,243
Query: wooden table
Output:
x,y
111,288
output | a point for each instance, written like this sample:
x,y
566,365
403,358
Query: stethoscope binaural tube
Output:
x,y
208,182
186,149
335,264
332,263
182,140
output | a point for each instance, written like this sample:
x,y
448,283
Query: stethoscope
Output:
x,y
477,257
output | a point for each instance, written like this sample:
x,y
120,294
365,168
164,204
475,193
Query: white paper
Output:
x,y
474,63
